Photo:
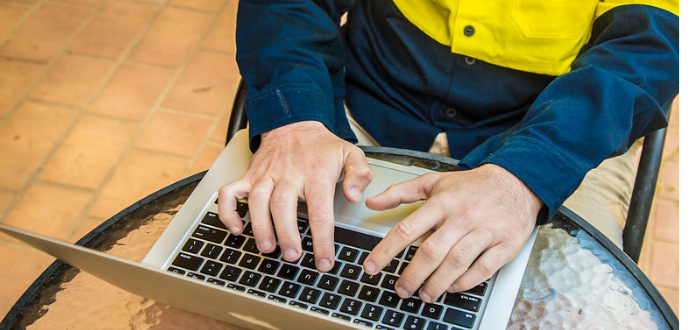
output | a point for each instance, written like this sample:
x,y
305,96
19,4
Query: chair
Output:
x,y
640,201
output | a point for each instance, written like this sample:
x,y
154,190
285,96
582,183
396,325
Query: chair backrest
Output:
x,y
642,193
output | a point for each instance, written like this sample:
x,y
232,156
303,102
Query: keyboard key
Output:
x,y
196,276
410,252
436,326
389,281
348,254
298,304
210,234
310,295
212,251
372,312
249,261
319,310
230,273
363,322
414,323
307,277
235,242
371,279
302,225
177,270
184,260
250,279
411,305
392,266
277,299
269,284
250,246
363,256
289,289
330,300
212,219
351,271
307,244
193,246
288,272
369,293
463,301
478,290
235,287
230,256
256,293
351,306
211,268
403,267
274,254
269,266
342,317
460,318
393,318
328,282
348,288
215,281
248,230
389,299
432,311
308,261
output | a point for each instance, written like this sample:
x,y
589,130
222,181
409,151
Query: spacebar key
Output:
x,y
356,239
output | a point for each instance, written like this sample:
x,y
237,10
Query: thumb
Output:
x,y
357,175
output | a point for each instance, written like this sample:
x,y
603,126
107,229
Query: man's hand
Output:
x,y
481,217
298,162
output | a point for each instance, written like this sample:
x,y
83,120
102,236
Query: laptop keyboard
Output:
x,y
213,255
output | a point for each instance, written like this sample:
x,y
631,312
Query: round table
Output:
x,y
575,279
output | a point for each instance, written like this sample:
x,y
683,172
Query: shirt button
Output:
x,y
469,60
451,112
469,31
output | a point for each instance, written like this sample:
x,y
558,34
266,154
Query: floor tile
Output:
x,y
207,85
73,80
666,226
10,16
665,265
114,29
206,158
45,33
222,36
132,92
175,134
29,135
172,37
27,265
55,217
15,78
206,5
138,175
89,153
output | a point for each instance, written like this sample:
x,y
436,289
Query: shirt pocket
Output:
x,y
563,19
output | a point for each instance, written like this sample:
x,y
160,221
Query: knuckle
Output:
x,y
409,281
432,250
404,230
486,266
459,256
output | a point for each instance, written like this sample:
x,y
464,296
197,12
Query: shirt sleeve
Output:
x,y
620,88
290,55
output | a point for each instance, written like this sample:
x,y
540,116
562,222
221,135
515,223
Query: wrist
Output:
x,y
514,184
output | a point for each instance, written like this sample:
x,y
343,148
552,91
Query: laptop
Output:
x,y
198,266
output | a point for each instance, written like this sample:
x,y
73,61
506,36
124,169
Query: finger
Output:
x,y
259,209
430,255
358,175
483,268
283,205
402,193
457,262
319,202
401,235
228,201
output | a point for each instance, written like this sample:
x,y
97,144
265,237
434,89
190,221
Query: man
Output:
x,y
529,94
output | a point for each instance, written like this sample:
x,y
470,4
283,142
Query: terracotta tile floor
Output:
x,y
103,102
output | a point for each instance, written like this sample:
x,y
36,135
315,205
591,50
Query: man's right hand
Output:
x,y
297,162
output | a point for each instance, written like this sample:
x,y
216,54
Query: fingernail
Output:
x,y
425,297
401,292
370,268
235,230
355,193
264,246
324,265
290,254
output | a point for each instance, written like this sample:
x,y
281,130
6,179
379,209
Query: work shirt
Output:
x,y
547,118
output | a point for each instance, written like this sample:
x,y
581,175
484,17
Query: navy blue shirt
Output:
x,y
404,88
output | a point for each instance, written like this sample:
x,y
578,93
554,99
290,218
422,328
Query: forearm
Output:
x,y
619,89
